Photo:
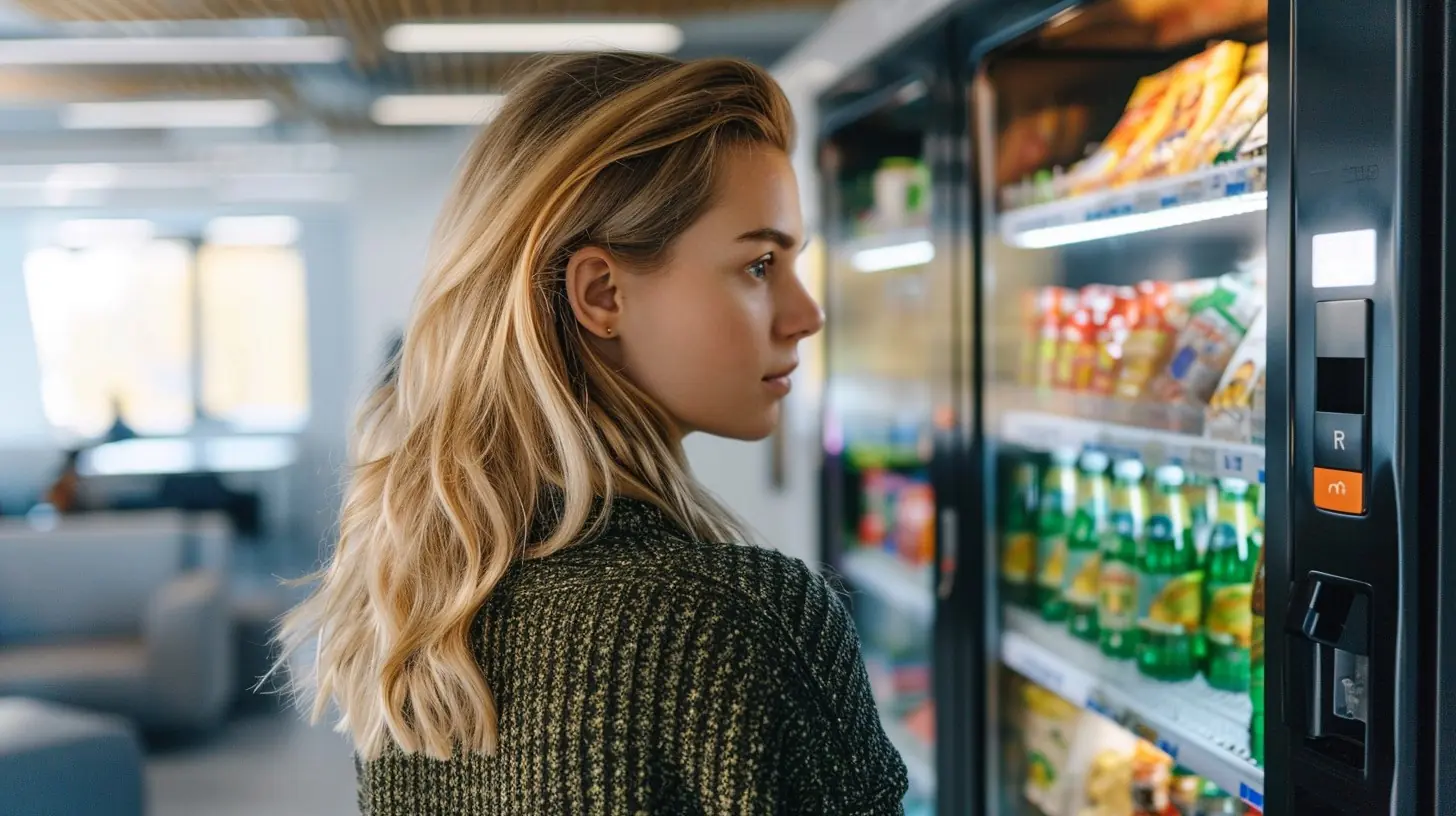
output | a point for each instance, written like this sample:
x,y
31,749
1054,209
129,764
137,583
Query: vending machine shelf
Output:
x,y
905,587
1219,191
1203,729
1200,455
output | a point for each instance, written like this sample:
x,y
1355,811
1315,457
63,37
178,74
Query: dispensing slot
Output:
x,y
1329,618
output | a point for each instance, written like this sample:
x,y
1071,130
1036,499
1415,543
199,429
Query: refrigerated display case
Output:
x,y
888,336
1187,403
1122,273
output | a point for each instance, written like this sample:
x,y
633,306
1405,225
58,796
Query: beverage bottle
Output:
x,y
1170,584
1018,532
1054,523
1256,661
1084,561
1229,578
1117,588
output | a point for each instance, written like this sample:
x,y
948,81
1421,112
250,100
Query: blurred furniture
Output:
x,y
58,761
125,613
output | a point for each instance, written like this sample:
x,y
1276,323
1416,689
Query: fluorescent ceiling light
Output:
x,y
86,232
894,256
174,51
252,230
435,109
531,38
1098,229
172,113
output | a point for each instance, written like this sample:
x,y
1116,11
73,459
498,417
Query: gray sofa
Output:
x,y
57,761
126,613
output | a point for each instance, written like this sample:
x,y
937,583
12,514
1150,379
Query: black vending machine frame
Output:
x,y
1357,142
955,659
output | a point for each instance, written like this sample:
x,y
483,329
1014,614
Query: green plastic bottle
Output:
x,y
1018,532
1256,650
1084,546
1117,584
1170,584
1229,578
1054,524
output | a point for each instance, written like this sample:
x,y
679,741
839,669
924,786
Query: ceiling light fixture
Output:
x,y
435,109
86,232
169,113
531,38
174,51
252,230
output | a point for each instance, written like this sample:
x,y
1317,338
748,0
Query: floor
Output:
x,y
265,763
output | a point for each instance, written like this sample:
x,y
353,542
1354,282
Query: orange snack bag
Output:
x,y
1202,86
1144,111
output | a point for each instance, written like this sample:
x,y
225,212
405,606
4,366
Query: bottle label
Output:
x,y
1170,604
1230,618
1256,643
1018,558
1083,570
1117,595
1051,553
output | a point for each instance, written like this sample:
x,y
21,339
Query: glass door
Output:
x,y
1122,287
882,327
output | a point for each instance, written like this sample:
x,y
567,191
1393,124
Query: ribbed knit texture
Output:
x,y
643,672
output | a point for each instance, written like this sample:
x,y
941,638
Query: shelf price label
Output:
x,y
1251,795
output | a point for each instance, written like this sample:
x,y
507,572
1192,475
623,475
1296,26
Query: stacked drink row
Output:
x,y
1161,574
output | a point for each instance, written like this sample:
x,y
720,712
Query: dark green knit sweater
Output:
x,y
643,672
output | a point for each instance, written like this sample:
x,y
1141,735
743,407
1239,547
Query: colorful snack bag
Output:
x,y
1217,323
1248,101
1144,112
1233,400
1112,338
1203,85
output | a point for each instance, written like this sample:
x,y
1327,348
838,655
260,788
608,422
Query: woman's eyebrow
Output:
x,y
783,239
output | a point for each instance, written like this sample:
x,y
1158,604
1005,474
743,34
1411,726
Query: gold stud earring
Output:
x,y
609,331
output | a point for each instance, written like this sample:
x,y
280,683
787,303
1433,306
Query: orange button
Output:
x,y
1342,491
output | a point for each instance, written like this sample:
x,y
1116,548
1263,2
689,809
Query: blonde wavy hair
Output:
x,y
497,397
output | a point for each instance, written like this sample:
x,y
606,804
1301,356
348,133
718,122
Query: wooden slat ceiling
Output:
x,y
363,22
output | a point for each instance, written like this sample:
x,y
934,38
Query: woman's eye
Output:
x,y
759,268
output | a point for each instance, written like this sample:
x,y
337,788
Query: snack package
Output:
x,y
1162,314
1050,726
1256,142
1112,338
1151,776
1232,403
1143,119
1245,104
1199,93
1217,323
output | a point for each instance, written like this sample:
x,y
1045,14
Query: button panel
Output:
x,y
1339,491
1339,441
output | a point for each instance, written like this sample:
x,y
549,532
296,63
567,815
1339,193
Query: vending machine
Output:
x,y
1141,439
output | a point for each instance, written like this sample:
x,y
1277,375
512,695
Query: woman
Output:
x,y
530,608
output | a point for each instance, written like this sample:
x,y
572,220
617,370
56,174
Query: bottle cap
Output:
x,y
1065,456
1094,461
1128,469
1238,487
1169,475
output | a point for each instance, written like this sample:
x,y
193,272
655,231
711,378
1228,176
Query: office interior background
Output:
x,y
213,215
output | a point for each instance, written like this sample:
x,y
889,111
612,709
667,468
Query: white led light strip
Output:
x,y
894,256
1095,230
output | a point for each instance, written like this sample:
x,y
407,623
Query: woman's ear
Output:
x,y
591,286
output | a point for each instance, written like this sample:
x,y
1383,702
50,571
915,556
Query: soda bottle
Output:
x,y
1256,662
1229,577
1084,561
1054,523
1117,584
1018,533
1170,585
